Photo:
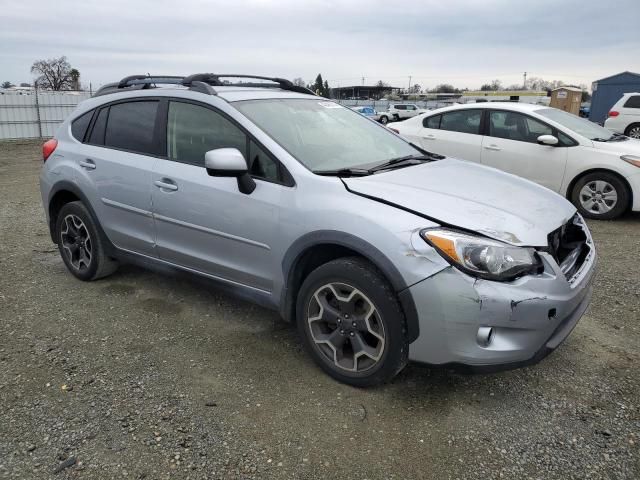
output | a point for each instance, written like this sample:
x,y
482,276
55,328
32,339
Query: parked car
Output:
x,y
368,112
378,251
585,110
402,111
624,116
584,162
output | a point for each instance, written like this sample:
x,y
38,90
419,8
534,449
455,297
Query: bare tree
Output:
x,y
54,73
7,84
299,82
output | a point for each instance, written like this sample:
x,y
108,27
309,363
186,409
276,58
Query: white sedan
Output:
x,y
597,170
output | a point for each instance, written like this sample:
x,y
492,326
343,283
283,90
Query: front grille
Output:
x,y
569,246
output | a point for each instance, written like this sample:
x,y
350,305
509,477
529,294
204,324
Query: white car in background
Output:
x,y
624,116
599,171
401,111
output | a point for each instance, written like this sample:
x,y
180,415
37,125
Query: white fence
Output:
x,y
25,114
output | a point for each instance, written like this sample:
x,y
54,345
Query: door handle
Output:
x,y
88,164
495,148
166,184
430,137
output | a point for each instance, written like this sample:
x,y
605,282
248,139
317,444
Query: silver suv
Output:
x,y
380,252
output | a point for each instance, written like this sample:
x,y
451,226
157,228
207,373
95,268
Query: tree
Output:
x,y
299,82
7,85
415,89
494,86
327,91
318,86
25,84
380,83
445,88
74,74
54,73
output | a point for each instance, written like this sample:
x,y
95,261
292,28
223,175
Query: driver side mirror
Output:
x,y
229,162
547,140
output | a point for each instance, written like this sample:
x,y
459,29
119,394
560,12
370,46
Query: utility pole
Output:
x,y
363,81
524,83
409,83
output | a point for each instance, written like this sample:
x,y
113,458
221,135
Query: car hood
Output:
x,y
473,197
628,147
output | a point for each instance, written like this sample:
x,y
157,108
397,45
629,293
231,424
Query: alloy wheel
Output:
x,y
635,132
598,197
346,327
76,242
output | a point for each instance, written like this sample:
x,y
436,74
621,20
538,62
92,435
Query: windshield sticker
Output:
x,y
329,105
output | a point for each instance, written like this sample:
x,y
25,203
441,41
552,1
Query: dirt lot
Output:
x,y
147,376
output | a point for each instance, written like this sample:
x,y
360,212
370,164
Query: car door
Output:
x,y
455,134
205,223
512,145
115,170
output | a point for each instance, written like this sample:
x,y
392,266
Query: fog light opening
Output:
x,y
485,335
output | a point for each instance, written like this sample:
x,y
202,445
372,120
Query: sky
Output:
x,y
465,43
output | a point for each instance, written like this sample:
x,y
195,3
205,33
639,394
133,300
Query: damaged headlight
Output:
x,y
483,257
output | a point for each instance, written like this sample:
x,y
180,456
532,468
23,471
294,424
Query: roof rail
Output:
x,y
214,79
199,82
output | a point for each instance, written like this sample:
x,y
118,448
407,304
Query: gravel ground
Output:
x,y
142,375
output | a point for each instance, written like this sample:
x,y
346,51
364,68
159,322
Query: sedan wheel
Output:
x,y
598,197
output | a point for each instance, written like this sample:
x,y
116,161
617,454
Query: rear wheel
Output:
x,y
600,195
80,245
351,322
384,119
633,131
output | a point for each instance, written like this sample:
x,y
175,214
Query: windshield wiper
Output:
x,y
396,161
344,172
616,137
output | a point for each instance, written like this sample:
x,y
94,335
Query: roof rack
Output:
x,y
199,82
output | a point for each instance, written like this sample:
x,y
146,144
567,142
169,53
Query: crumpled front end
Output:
x,y
483,323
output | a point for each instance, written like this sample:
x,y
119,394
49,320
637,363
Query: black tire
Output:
x,y
396,117
621,190
384,119
99,264
633,131
358,274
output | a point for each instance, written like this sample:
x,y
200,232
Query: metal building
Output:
x,y
607,91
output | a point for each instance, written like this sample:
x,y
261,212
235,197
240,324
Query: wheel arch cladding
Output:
x,y
571,186
64,192
316,248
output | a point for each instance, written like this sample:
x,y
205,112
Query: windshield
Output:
x,y
324,135
579,125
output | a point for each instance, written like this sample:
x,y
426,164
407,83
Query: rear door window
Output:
x,y
131,126
463,121
79,126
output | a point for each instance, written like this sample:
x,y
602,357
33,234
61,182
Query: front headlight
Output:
x,y
483,257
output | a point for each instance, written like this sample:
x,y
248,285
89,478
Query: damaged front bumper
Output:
x,y
490,325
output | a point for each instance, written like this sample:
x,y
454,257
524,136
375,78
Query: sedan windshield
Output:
x,y
324,135
579,125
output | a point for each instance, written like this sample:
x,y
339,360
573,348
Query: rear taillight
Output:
x,y
613,113
48,148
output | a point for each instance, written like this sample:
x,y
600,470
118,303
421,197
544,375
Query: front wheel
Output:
x,y
600,195
351,322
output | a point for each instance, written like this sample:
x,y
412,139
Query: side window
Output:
x,y
463,121
80,124
411,107
401,107
565,141
193,130
633,102
432,122
262,165
131,125
97,132
515,126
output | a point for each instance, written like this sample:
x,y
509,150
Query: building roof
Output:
x,y
627,72
572,89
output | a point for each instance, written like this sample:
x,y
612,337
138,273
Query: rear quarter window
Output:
x,y
633,102
131,126
79,126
